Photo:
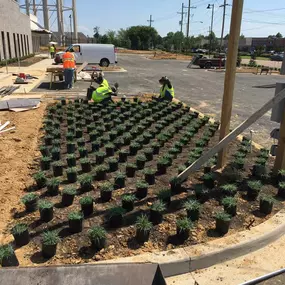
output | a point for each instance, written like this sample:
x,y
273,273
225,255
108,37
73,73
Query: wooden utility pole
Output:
x,y
188,18
223,24
150,20
182,17
229,83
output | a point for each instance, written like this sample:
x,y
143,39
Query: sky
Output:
x,y
260,17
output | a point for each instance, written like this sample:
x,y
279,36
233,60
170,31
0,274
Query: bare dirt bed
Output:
x,y
75,248
28,61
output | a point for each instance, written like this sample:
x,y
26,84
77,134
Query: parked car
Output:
x,y
102,54
277,57
205,62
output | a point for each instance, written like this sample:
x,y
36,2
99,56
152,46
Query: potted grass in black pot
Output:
x,y
192,208
266,204
143,229
45,163
119,180
100,156
156,211
75,222
141,189
86,205
70,147
228,190
281,190
71,160
149,175
164,195
202,193
162,165
71,174
239,163
68,195
209,180
230,205
98,237
106,190
128,201
253,189
281,175
44,150
123,155
46,210
183,227
85,164
81,142
175,185
55,153
30,201
101,172
140,161
83,152
8,257
48,139
57,168
134,147
115,216
113,164
155,147
40,179
50,240
131,169
21,234
110,149
85,181
53,186
223,221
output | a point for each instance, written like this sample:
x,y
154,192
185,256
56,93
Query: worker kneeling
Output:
x,y
103,93
166,90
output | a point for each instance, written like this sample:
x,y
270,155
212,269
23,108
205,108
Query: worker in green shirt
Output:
x,y
52,50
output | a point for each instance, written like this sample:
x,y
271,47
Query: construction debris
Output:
x,y
2,127
19,105
8,90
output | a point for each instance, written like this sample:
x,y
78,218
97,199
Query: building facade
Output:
x,y
15,31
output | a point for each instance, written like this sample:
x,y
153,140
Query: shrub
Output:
x,y
229,201
141,184
164,193
254,184
6,251
50,238
261,161
158,206
116,211
19,229
97,234
75,216
229,189
53,182
192,205
141,157
184,224
44,204
87,200
28,198
267,198
143,224
129,198
107,187
70,190
71,170
149,171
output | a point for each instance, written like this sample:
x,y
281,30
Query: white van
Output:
x,y
102,54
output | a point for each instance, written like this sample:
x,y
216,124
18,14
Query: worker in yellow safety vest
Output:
x,y
166,90
52,51
103,93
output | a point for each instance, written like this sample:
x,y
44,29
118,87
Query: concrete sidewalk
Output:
x,y
38,70
239,270
270,63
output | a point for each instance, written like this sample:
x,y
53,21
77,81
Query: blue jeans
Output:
x,y
68,76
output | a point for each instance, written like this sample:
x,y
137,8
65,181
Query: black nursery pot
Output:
x,y
110,151
87,210
252,194
176,188
86,167
161,168
48,251
130,172
71,177
78,133
258,170
48,141
123,157
128,205
46,214
231,210
101,175
106,196
133,150
149,156
55,155
207,169
182,234
99,159
10,261
150,178
113,166
22,238
95,146
67,200
120,183
193,215
222,226
71,162
155,149
98,244
70,147
141,192
281,193
31,206
210,183
142,236
83,153
155,217
45,151
45,165
57,170
116,221
53,190
265,207
75,226
140,164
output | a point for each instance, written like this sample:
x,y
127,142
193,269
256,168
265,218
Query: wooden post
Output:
x,y
230,75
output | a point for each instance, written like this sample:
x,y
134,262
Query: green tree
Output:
x,y
241,37
97,34
279,35
226,37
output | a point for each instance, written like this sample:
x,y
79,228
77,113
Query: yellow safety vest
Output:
x,y
166,88
51,49
102,92
106,83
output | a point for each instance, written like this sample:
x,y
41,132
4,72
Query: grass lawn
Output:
x,y
257,58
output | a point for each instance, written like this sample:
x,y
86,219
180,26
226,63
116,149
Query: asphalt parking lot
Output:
x,y
200,88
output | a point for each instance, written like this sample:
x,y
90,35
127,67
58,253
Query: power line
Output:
x,y
182,17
